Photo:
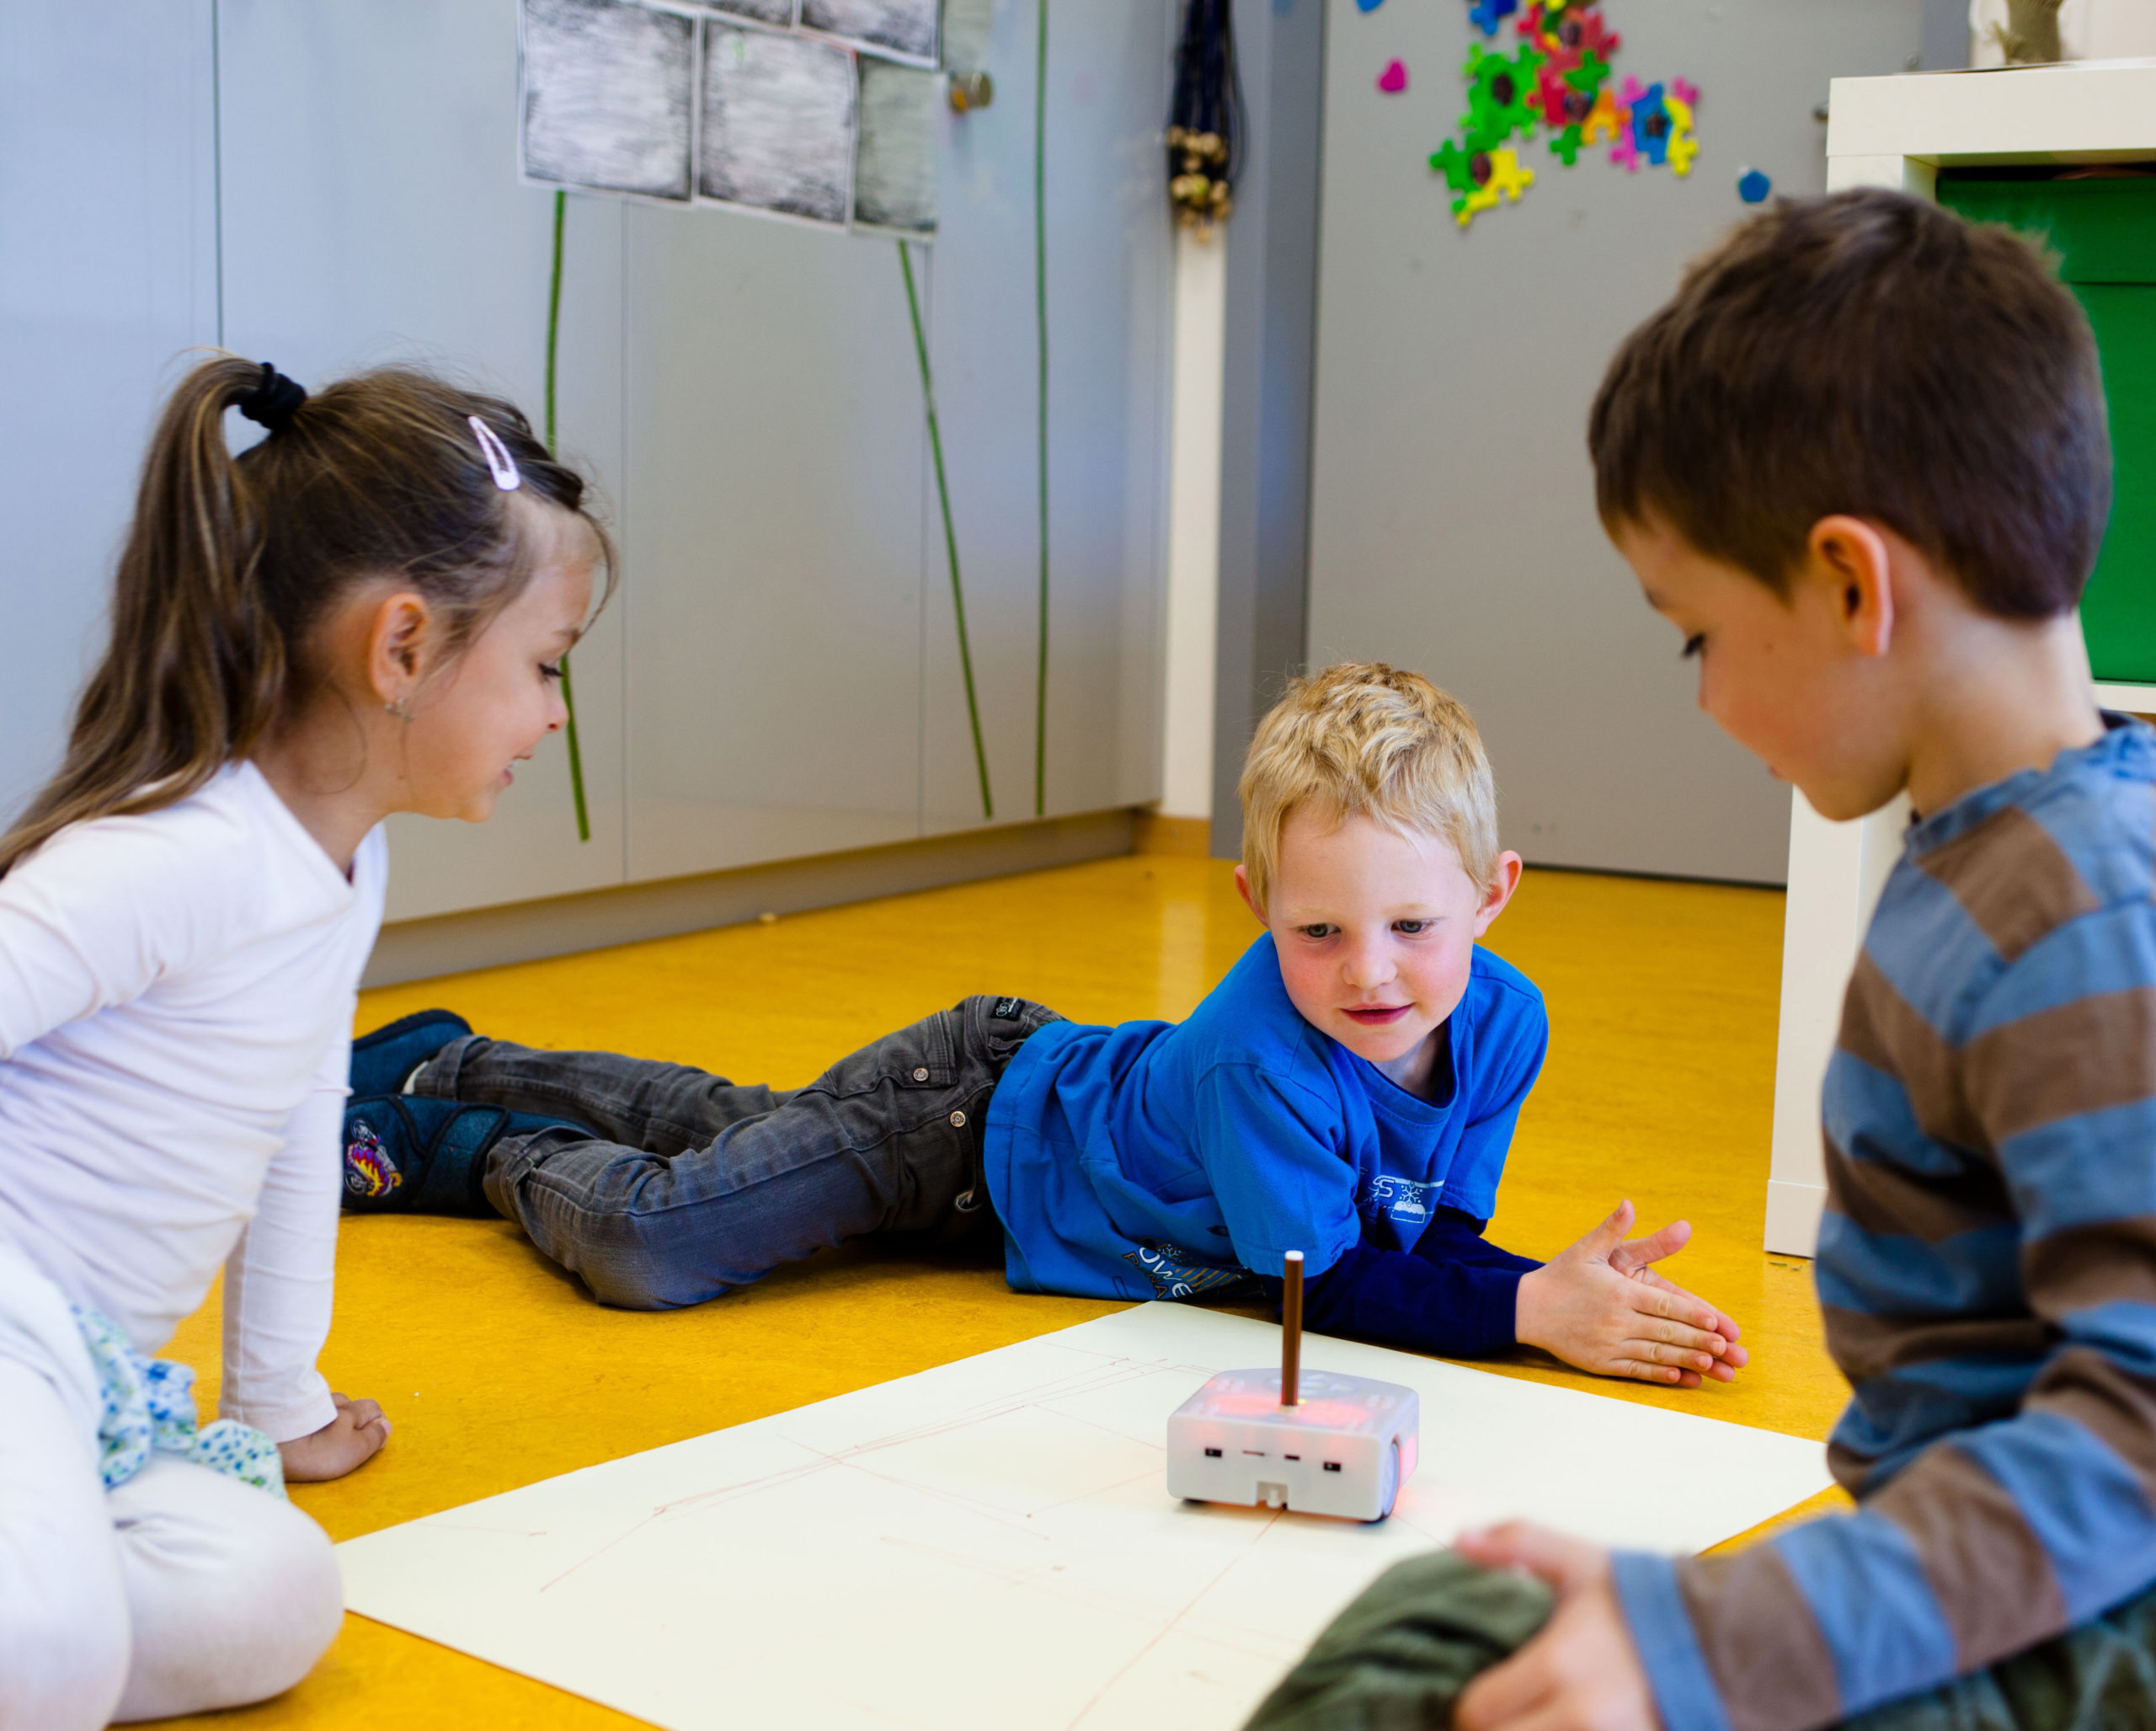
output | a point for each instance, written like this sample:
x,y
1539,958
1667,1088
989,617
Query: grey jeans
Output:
x,y
669,1185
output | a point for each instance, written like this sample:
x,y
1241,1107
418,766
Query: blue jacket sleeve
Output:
x,y
1453,1293
1453,1237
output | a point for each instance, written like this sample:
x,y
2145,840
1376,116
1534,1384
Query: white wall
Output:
x,y
108,276
1452,520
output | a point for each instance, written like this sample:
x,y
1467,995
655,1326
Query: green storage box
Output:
x,y
2105,233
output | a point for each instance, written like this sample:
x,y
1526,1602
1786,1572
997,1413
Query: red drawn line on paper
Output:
x,y
1113,1370
1168,1628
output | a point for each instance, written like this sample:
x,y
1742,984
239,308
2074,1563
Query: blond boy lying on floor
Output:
x,y
1349,1091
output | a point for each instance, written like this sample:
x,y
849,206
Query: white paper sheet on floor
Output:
x,y
990,1544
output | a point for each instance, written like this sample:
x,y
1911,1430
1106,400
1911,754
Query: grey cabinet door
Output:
x,y
108,276
1109,260
372,213
776,452
797,686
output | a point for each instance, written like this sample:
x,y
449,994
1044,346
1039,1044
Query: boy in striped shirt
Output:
x,y
1860,462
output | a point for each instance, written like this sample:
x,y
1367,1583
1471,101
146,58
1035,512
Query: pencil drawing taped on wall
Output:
x,y
900,27
608,93
778,124
894,174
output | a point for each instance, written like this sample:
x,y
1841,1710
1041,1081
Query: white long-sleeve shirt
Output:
x,y
176,1001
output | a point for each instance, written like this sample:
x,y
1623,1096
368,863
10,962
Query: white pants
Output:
x,y
181,1591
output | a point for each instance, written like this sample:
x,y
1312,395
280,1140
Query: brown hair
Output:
x,y
1870,353
232,562
1362,737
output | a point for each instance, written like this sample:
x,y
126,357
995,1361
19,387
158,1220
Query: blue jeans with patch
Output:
x,y
688,1185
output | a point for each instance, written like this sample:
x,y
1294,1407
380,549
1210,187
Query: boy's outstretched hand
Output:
x,y
353,1437
1581,1672
1601,1307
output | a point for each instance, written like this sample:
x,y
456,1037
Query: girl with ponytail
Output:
x,y
363,613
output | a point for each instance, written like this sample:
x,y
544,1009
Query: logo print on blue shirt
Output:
x,y
1402,1199
1176,1274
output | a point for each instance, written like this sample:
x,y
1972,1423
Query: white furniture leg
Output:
x,y
1836,872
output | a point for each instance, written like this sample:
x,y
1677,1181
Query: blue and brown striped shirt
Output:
x,y
1987,1271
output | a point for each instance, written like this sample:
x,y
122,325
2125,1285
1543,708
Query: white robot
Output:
x,y
1312,1442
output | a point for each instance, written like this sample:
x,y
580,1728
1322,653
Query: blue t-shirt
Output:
x,y
1161,1160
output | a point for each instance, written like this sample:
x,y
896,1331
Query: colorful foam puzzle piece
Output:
x,y
1652,125
1682,146
1536,29
1548,100
1509,175
1569,103
1596,37
1501,175
1487,14
1753,187
1624,148
1603,121
1457,164
1393,78
1499,95
1591,74
1567,98
1567,31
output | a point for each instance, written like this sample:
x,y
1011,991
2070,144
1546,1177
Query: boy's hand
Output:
x,y
1600,1307
1581,1672
355,1435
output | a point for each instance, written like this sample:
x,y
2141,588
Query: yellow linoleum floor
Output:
x,y
497,1371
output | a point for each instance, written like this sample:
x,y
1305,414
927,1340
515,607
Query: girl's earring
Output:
x,y
395,706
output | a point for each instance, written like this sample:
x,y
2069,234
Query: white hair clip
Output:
x,y
499,463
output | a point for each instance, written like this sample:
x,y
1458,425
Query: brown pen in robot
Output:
x,y
1291,1331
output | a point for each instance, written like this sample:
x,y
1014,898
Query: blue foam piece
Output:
x,y
1753,187
1485,14
1369,5
1650,125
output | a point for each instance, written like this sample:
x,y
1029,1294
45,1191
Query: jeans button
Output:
x,y
957,1121
921,1074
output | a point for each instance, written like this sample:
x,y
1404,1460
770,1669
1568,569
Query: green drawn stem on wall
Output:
x,y
1040,319
553,344
950,535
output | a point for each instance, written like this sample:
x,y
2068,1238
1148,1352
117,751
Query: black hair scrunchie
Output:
x,y
273,402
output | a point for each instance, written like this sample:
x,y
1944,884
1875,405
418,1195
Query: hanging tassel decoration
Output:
x,y
1204,137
